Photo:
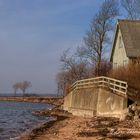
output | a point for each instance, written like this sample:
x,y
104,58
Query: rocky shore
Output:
x,y
69,127
65,126
58,115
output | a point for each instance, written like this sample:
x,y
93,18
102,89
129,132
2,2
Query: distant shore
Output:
x,y
35,99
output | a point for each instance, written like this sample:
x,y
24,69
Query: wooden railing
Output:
x,y
115,85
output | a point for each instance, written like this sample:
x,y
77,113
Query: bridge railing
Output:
x,y
117,86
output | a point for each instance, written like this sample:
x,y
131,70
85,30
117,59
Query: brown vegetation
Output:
x,y
130,74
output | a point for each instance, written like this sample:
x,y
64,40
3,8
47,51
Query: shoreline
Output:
x,y
30,133
57,101
54,101
69,127
39,130
58,115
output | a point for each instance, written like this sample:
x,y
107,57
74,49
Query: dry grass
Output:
x,y
130,74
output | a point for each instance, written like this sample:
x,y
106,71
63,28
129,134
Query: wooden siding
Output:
x,y
119,55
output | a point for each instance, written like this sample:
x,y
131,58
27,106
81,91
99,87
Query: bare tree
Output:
x,y
76,68
97,37
73,69
24,86
74,65
132,7
61,83
16,87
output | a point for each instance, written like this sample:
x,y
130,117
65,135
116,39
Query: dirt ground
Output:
x,y
68,127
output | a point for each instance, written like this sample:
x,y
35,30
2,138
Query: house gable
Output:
x,y
119,57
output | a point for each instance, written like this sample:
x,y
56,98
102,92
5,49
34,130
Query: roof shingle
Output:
x,y
131,36
130,30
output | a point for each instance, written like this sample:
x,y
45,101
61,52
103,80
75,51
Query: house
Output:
x,y
126,43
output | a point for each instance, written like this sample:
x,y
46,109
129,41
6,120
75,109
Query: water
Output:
x,y
16,118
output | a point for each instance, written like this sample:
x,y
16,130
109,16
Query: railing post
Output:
x,y
114,85
120,85
108,80
126,88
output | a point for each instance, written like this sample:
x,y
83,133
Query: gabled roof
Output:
x,y
130,30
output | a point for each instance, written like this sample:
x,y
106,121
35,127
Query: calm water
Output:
x,y
16,118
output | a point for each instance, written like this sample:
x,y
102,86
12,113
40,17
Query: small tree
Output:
x,y
24,86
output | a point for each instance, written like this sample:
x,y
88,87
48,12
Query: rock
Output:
x,y
113,130
136,117
104,132
100,138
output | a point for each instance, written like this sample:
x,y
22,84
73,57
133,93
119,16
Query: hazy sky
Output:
x,y
33,35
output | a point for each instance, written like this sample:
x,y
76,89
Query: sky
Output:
x,y
33,36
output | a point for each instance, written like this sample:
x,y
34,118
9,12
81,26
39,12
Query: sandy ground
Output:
x,y
68,127
68,130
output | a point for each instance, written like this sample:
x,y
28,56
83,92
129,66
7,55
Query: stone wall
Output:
x,y
67,101
84,102
110,104
95,101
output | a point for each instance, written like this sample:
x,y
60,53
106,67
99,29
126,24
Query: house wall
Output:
x,y
119,56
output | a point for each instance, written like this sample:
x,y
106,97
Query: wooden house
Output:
x,y
126,43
